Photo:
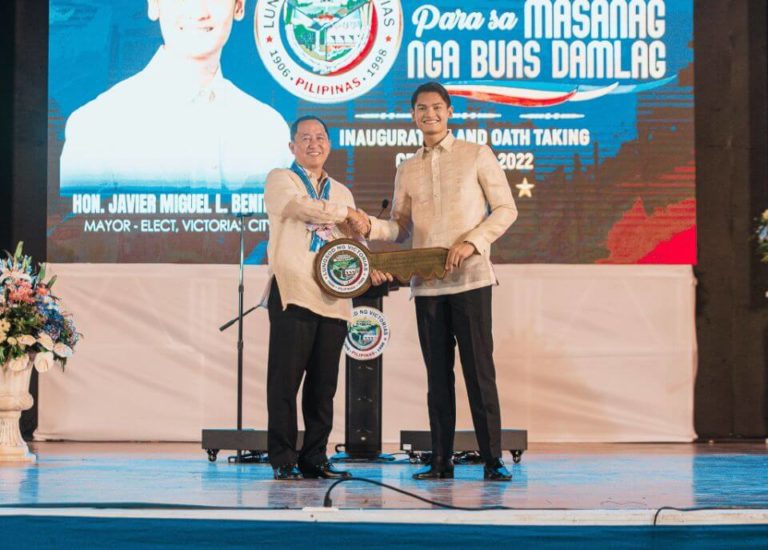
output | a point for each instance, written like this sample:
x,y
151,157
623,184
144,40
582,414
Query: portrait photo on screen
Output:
x,y
179,123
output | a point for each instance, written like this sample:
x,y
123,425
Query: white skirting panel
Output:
x,y
583,353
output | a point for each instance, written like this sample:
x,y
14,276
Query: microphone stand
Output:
x,y
212,441
240,297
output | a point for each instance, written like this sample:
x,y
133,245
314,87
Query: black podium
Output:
x,y
364,396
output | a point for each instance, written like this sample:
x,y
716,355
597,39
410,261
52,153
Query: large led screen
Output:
x,y
166,115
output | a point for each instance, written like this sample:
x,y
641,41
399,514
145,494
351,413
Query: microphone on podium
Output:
x,y
384,206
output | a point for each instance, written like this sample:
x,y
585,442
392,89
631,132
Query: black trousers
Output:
x,y
305,345
443,321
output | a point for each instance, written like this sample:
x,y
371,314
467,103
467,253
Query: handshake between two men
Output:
x,y
360,223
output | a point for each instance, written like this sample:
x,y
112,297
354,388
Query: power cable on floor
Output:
x,y
328,503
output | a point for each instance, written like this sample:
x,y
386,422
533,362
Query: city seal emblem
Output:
x,y
329,51
343,268
367,334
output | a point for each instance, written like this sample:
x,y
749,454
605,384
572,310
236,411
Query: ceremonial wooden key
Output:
x,y
343,267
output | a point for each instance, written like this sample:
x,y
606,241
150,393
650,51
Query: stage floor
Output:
x,y
558,481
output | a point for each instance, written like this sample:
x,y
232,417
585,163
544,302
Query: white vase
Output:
x,y
14,398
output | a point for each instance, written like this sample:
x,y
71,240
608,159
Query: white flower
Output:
x,y
45,340
62,350
2,337
27,340
11,341
19,363
765,215
44,361
5,326
14,275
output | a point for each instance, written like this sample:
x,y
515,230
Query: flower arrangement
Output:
x,y
761,234
33,325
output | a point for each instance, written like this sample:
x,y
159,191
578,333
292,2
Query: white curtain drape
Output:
x,y
583,353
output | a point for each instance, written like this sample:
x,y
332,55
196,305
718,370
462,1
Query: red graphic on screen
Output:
x,y
665,236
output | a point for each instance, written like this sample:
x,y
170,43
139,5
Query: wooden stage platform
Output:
x,y
603,484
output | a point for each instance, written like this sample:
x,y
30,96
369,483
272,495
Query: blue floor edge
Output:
x,y
58,531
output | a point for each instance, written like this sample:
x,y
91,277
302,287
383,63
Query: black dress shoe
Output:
x,y
286,472
496,471
324,470
435,470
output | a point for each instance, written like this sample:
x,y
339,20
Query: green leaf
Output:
x,y
41,273
19,248
53,280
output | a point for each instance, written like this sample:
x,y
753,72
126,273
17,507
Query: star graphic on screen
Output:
x,y
269,39
525,188
389,39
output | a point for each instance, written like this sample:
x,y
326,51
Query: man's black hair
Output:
x,y
431,87
295,125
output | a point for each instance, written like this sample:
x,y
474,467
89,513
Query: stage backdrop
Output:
x,y
588,107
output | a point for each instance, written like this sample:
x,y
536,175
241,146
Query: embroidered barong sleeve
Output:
x,y
284,199
498,195
400,225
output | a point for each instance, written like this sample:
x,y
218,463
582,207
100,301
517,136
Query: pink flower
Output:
x,y
324,231
21,293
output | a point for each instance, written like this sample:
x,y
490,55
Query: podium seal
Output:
x,y
343,268
367,334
